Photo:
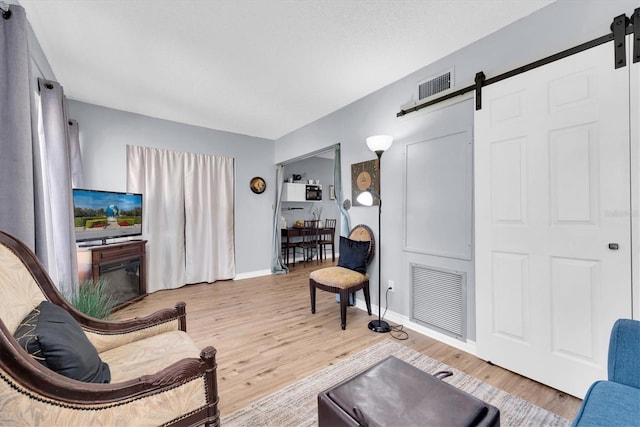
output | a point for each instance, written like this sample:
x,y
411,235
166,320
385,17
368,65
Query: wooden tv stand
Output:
x,y
123,264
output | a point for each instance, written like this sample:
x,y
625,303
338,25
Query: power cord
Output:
x,y
397,331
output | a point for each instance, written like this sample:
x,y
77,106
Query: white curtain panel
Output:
x,y
188,215
77,173
54,182
209,241
157,174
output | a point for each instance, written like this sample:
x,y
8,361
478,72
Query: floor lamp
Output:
x,y
378,144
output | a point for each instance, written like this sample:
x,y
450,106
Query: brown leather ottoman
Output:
x,y
394,393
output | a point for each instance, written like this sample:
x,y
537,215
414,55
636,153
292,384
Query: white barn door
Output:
x,y
634,79
553,235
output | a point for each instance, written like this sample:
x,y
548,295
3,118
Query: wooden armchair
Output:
x,y
158,375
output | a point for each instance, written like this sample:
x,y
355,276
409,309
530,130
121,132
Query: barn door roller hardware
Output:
x,y
619,30
480,78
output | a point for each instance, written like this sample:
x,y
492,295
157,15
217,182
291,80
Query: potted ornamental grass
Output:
x,y
92,299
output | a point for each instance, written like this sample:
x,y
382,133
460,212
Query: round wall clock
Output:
x,y
257,185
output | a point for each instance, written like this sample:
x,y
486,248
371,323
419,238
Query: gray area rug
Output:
x,y
296,404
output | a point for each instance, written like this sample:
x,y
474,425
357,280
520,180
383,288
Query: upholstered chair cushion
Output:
x,y
53,338
353,254
149,355
338,277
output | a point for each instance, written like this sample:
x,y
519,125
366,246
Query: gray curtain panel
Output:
x,y
17,213
345,218
277,263
35,171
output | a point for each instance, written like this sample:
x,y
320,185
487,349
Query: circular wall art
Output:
x,y
364,176
257,185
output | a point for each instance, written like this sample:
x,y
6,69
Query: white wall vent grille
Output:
x,y
435,85
439,299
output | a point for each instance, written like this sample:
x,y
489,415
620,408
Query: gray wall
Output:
x,y
557,27
105,133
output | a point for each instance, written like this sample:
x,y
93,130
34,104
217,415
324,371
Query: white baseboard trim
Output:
x,y
466,346
252,274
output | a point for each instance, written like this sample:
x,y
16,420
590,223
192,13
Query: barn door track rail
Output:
x,y
620,28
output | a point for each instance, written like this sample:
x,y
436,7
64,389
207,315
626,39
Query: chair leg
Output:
x,y
367,298
344,300
312,294
333,252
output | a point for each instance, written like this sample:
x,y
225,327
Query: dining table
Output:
x,y
292,235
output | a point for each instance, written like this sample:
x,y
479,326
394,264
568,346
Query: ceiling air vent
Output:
x,y
435,85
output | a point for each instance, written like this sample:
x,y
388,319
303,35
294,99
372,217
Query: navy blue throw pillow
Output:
x,y
353,254
55,339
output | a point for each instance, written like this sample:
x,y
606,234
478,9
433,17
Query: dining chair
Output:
x,y
326,237
287,245
309,242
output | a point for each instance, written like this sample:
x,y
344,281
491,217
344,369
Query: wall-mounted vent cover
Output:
x,y
438,299
435,84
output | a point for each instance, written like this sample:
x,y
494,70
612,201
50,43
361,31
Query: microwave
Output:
x,y
313,192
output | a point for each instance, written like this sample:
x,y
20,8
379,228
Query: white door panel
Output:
x,y
634,83
552,184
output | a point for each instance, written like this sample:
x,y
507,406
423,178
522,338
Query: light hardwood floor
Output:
x,y
267,338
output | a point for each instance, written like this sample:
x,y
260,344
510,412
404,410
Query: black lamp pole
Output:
x,y
379,325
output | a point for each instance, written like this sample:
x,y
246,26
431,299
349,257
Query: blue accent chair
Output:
x,y
616,402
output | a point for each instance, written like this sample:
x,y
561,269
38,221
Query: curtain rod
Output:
x,y
481,81
4,7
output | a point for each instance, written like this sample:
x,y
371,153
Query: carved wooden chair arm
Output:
x,y
131,325
46,383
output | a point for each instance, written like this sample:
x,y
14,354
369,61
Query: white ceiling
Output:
x,y
256,67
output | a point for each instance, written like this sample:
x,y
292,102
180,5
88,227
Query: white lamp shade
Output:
x,y
379,142
365,198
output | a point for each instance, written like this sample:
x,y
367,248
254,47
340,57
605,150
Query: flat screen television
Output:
x,y
102,215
